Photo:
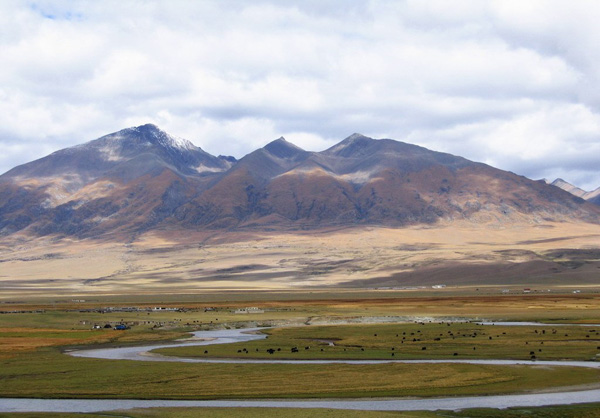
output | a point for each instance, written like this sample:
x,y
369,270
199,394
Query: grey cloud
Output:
x,y
493,81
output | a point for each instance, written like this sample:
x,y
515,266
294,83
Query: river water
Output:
x,y
502,401
240,335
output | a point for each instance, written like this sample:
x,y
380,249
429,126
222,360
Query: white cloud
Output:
x,y
507,82
552,140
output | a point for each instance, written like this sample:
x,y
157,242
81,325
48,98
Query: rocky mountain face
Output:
x,y
593,196
142,178
131,179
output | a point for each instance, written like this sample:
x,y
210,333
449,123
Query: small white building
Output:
x,y
249,310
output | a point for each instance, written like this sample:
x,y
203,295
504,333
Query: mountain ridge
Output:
x,y
592,196
142,178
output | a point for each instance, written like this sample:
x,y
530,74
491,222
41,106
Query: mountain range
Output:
x,y
141,178
593,196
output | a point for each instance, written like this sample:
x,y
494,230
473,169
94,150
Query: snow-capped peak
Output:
x,y
165,139
346,143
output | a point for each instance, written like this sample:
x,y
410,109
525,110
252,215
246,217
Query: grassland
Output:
x,y
32,363
347,284
453,253
412,341
52,375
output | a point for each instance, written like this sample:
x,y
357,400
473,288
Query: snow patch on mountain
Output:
x,y
347,142
166,140
205,169
357,177
109,153
174,142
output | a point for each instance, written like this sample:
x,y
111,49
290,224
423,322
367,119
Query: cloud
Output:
x,y
552,140
510,83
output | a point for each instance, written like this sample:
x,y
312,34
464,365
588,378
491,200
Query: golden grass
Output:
x,y
189,262
18,340
23,340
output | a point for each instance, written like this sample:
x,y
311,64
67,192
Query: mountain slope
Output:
x,y
366,181
566,186
595,197
126,179
362,180
239,193
592,197
140,179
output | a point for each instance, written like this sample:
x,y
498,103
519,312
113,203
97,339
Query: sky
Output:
x,y
514,84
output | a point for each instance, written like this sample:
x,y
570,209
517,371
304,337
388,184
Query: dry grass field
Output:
x,y
456,253
53,291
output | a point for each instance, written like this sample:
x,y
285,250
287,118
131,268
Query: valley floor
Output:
x,y
355,288
455,254
35,333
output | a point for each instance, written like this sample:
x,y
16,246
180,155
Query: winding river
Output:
x,y
240,335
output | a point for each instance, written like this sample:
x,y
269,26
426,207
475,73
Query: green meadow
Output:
x,y
412,341
51,374
33,362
